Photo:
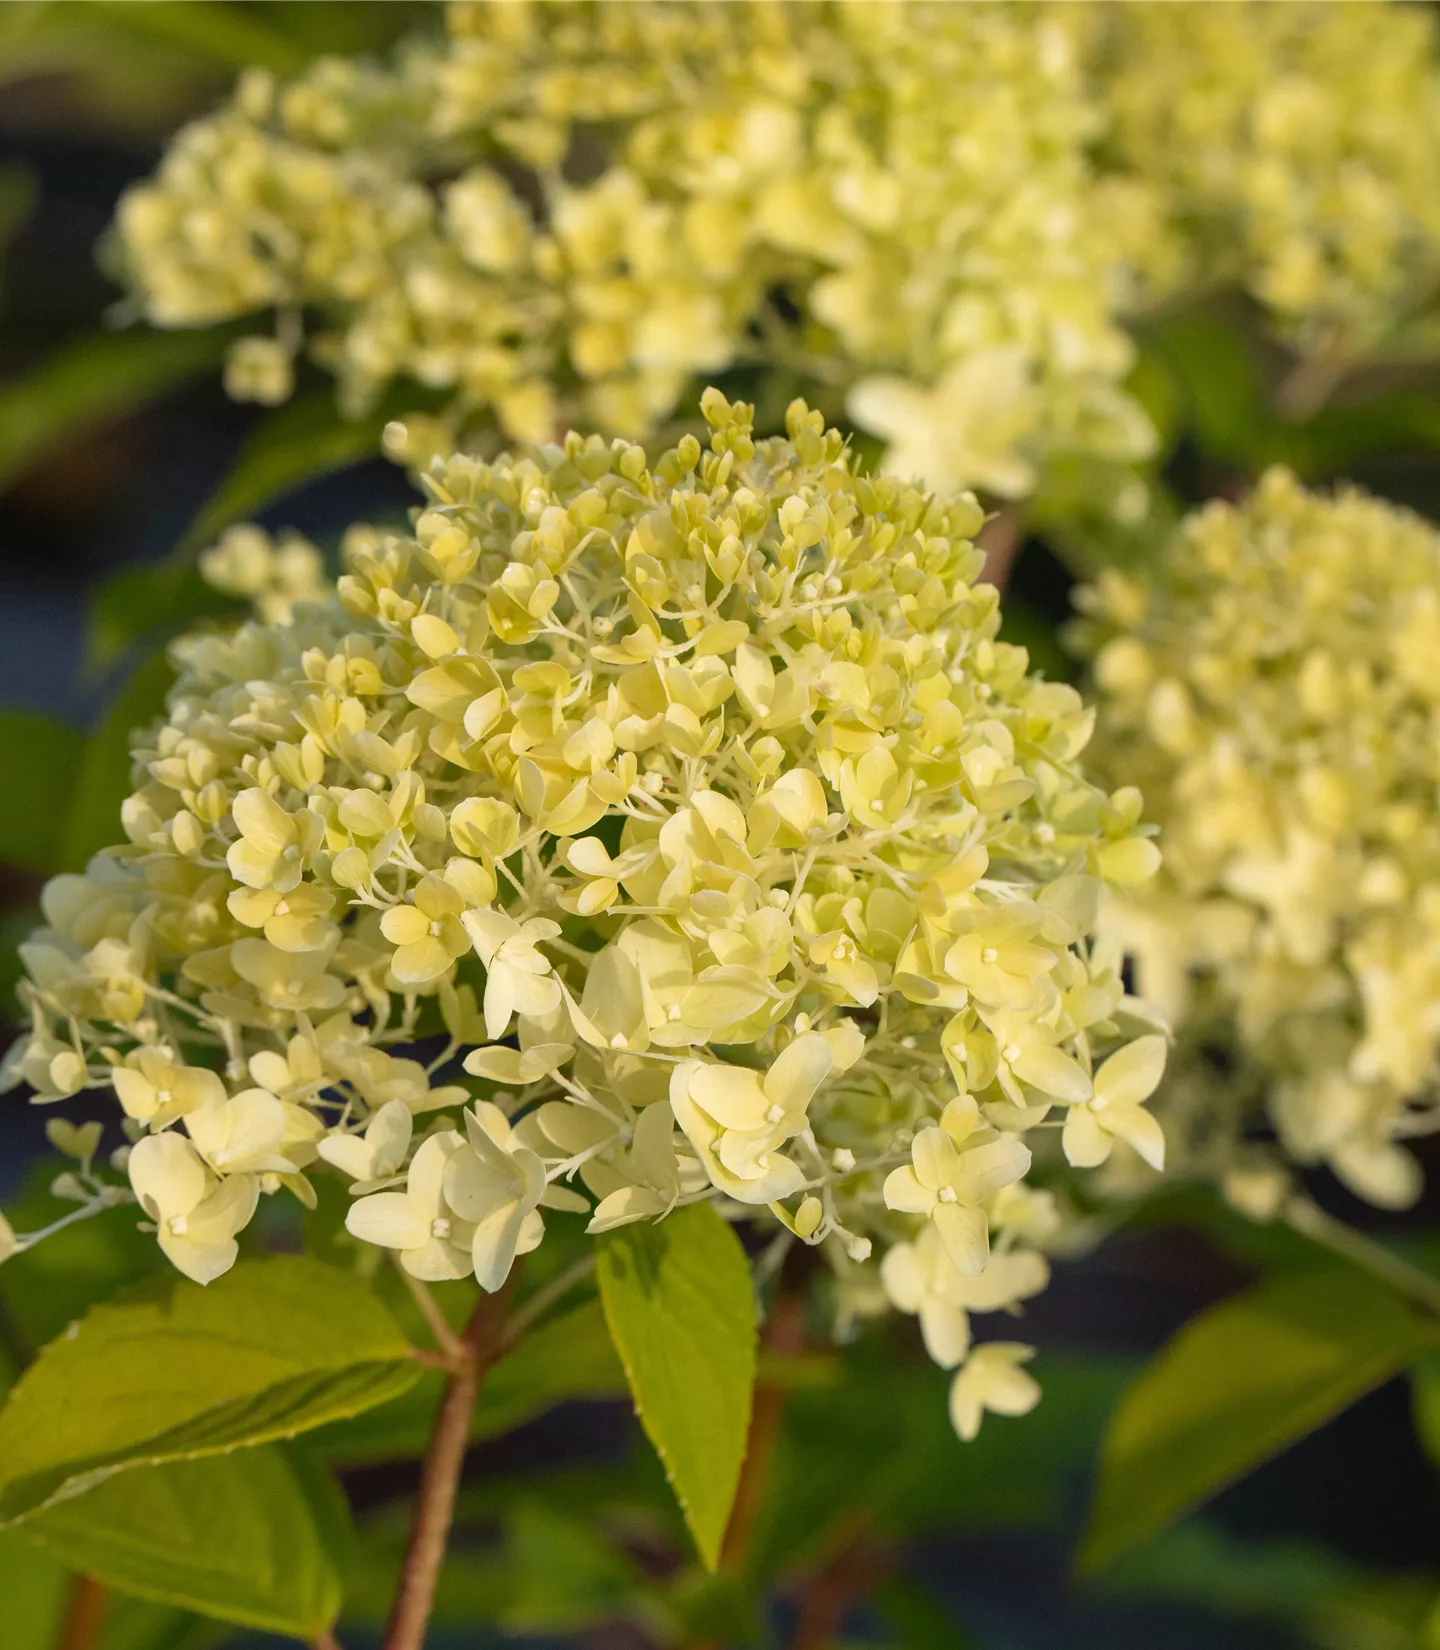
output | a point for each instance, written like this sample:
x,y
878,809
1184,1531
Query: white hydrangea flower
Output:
x,y
432,1240
991,1378
495,1186
196,1216
378,1152
1115,1109
921,1278
738,1119
950,1185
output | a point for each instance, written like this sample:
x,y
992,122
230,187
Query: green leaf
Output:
x,y
137,1624
304,440
681,1311
46,1288
239,1537
149,601
564,1575
47,754
33,1591
104,778
93,380
1218,380
225,33
176,1371
1425,1403
1239,1384
917,1618
1329,1599
566,1357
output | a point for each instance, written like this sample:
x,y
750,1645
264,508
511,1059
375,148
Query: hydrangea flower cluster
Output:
x,y
563,213
621,837
1275,686
1296,148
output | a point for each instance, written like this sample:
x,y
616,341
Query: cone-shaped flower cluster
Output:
x,y
695,811
1296,148
563,213
1275,687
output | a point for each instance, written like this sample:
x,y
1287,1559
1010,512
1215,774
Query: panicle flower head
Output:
x,y
694,823
1295,149
1275,687
569,213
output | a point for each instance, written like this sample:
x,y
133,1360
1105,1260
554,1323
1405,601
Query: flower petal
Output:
x,y
1132,1074
965,1232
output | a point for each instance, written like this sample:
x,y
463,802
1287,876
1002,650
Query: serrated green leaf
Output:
x,y
238,1537
681,1310
1236,1386
104,778
32,821
569,1356
93,380
176,1371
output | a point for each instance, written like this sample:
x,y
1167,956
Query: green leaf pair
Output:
x,y
146,1445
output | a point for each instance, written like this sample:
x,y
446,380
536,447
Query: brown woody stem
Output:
x,y
784,1338
480,1345
1000,539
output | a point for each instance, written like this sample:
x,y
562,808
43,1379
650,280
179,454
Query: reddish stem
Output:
x,y
481,1343
84,1614
1000,539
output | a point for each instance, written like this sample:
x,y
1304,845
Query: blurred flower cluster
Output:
x,y
561,214
938,216
1295,149
1274,685
696,812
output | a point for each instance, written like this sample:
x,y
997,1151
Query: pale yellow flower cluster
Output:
x,y
1276,689
562,214
1296,148
697,812
271,575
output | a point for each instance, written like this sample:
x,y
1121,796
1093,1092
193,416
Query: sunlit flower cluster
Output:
x,y
1275,686
686,828
1296,148
562,214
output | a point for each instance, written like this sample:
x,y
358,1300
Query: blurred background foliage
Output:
x,y
120,459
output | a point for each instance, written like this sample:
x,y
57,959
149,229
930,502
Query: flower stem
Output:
x,y
784,1338
1413,1282
481,1343
84,1615
1000,539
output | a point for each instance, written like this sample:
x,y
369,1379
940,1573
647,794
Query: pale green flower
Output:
x,y
1272,685
196,1216
991,1378
696,800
